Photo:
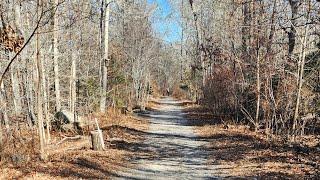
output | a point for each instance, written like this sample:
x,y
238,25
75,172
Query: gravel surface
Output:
x,y
172,150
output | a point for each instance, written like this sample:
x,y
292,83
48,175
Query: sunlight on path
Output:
x,y
175,151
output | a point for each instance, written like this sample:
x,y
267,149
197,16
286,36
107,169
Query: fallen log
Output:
x,y
69,138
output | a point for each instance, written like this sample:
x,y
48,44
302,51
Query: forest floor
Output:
x,y
184,141
171,140
251,155
74,159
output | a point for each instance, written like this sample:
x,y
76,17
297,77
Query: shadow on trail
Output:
x,y
171,149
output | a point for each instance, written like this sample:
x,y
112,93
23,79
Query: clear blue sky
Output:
x,y
166,21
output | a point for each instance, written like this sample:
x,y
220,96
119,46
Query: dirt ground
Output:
x,y
186,141
74,159
251,155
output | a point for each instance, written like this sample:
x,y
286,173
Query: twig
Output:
x,y
95,119
100,132
68,138
246,113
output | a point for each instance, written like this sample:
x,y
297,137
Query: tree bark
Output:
x,y
97,140
39,92
55,58
294,4
199,41
73,95
4,106
301,65
258,93
15,90
246,36
13,70
104,63
46,102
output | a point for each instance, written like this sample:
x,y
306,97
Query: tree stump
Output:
x,y
97,140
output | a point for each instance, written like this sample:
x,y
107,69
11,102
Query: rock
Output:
x,y
67,121
19,159
65,117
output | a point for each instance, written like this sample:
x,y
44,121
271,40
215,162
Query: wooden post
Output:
x,y
97,140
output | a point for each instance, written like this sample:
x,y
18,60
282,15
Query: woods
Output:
x,y
77,57
65,63
257,62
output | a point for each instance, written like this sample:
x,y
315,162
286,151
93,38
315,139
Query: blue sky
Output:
x,y
166,21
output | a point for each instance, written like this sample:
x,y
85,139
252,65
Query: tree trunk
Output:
x,y
13,70
246,36
39,80
199,41
55,58
3,106
258,93
301,65
104,63
30,96
15,90
294,4
73,95
46,102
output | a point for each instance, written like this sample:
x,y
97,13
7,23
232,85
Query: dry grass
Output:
x,y
249,154
74,159
117,125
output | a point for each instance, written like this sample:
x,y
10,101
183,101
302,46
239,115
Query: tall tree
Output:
x,y
39,81
105,59
55,35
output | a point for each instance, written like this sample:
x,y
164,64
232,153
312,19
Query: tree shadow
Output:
x,y
215,149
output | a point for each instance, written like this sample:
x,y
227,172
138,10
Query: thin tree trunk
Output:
x,y
300,80
46,103
182,38
246,36
55,59
258,93
294,4
73,87
4,106
15,90
13,70
256,14
199,41
103,98
39,92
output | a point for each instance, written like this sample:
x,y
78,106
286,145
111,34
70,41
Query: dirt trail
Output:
x,y
171,149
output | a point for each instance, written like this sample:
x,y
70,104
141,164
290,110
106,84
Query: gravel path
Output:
x,y
174,151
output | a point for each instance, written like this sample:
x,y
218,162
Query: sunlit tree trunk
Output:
x,y
301,65
46,102
257,14
73,87
14,70
104,63
39,90
56,57
3,107
258,84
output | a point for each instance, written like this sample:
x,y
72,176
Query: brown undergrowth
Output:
x,y
73,159
248,154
